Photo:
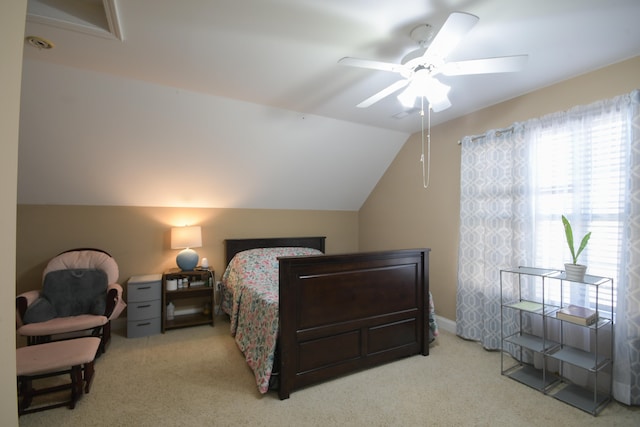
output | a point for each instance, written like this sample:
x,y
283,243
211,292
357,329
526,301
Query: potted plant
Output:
x,y
574,271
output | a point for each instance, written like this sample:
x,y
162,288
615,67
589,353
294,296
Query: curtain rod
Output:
x,y
499,132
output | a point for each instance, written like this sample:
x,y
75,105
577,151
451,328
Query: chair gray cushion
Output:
x,y
40,310
78,291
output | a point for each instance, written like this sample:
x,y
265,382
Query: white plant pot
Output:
x,y
575,272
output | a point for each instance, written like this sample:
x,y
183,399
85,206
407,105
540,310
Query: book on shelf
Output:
x,y
535,307
579,315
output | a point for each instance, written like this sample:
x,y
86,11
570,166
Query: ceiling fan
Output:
x,y
420,67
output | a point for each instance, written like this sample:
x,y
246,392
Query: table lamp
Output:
x,y
186,238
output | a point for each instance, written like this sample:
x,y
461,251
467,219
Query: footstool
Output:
x,y
74,357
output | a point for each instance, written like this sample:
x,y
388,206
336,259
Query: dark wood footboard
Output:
x,y
343,313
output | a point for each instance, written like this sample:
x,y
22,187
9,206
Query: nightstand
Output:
x,y
144,305
193,301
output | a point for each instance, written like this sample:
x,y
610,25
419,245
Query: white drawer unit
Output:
x,y
144,305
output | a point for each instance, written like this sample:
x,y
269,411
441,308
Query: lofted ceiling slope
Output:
x,y
222,103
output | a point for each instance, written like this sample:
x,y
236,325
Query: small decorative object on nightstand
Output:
x,y
189,300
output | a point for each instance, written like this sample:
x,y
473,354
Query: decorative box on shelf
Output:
x,y
579,315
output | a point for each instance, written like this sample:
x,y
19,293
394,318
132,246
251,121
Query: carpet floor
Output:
x,y
198,377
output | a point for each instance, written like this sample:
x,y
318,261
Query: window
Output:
x,y
583,163
579,171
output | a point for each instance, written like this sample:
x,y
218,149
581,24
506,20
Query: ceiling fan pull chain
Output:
x,y
425,173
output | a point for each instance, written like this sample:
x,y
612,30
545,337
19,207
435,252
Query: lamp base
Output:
x,y
187,259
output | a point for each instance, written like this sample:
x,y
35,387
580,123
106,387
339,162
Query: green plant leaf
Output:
x,y
583,244
569,235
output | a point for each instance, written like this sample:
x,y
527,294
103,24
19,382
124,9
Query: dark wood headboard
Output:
x,y
233,246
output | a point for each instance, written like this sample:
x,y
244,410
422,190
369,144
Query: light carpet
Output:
x,y
198,377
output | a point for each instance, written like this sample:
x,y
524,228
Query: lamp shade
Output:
x,y
186,237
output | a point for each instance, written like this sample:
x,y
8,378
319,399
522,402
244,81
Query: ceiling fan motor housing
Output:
x,y
420,66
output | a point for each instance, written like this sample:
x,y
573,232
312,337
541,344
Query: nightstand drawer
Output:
x,y
142,328
144,288
144,310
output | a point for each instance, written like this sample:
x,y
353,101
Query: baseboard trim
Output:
x,y
446,324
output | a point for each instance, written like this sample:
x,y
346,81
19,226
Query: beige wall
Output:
x,y
139,237
12,21
401,213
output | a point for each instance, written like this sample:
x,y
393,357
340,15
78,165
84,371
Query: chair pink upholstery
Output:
x,y
74,357
80,293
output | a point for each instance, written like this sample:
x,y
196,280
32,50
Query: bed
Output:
x,y
301,317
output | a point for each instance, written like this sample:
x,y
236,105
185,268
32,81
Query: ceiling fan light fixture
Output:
x,y
437,94
424,85
440,104
420,67
408,96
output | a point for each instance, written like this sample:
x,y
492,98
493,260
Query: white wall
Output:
x,y
12,21
89,138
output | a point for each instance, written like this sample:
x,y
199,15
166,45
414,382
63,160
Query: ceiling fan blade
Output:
x,y
457,25
504,64
383,93
373,65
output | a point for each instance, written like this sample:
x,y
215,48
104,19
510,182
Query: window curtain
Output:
x,y
626,366
493,228
510,216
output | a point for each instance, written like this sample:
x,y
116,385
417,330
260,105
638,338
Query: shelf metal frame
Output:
x,y
519,347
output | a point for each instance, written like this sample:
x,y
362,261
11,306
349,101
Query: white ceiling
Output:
x,y
279,58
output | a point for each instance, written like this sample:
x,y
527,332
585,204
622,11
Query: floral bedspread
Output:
x,y
433,324
250,298
250,286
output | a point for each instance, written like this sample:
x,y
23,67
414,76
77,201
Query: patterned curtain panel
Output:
x,y
512,197
493,235
626,366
